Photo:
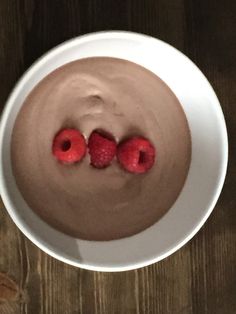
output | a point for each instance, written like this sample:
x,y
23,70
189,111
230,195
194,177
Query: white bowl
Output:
x,y
207,169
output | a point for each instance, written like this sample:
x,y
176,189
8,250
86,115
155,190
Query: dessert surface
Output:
x,y
125,100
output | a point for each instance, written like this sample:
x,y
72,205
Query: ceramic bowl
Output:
x,y
206,174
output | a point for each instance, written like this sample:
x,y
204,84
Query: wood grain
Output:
x,y
201,277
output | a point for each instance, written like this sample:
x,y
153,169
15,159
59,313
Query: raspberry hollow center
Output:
x,y
142,157
66,145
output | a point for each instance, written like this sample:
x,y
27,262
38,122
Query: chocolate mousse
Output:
x,y
119,97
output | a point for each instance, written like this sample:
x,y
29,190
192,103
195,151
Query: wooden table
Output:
x,y
201,277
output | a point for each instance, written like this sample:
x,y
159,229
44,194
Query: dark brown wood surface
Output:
x,y
201,277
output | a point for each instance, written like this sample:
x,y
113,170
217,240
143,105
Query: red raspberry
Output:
x,y
136,155
102,149
69,146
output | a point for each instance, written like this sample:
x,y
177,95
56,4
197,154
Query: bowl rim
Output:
x,y
7,109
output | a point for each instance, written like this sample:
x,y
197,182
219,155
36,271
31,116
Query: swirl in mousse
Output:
x,y
125,100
